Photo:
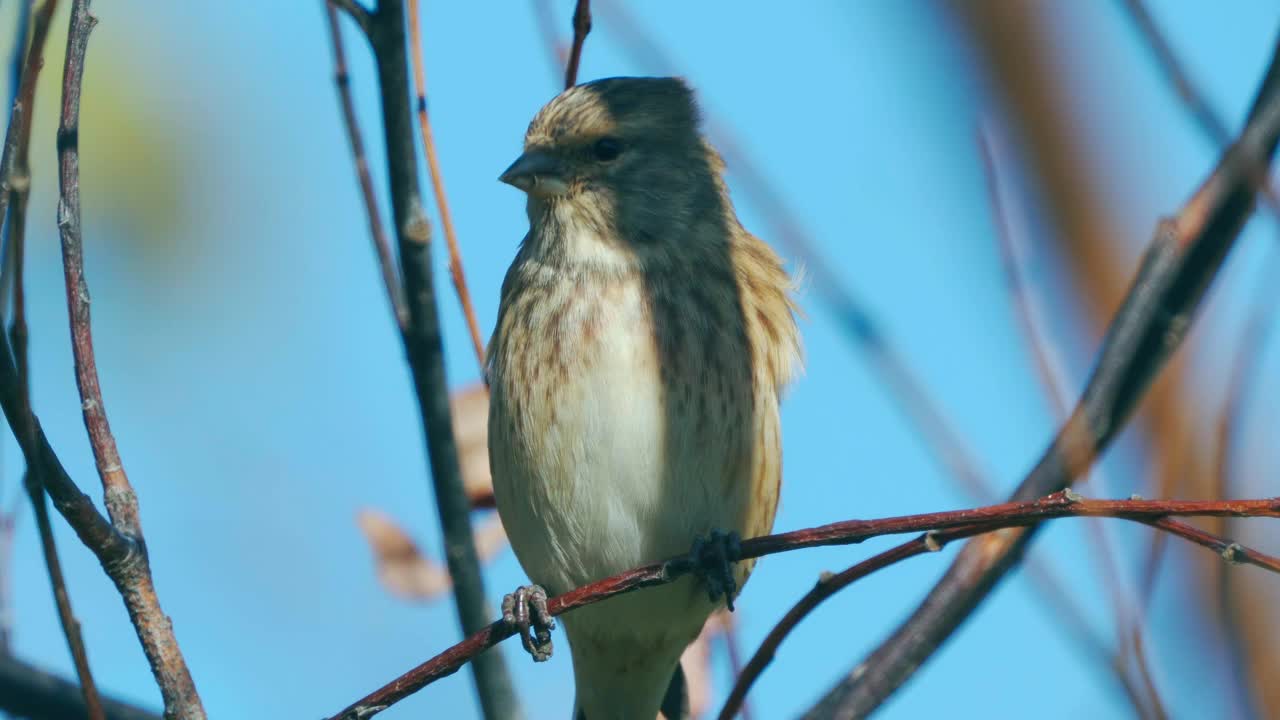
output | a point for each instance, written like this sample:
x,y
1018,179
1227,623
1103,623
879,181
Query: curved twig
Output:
x,y
132,576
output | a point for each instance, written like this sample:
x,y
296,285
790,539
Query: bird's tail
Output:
x,y
628,686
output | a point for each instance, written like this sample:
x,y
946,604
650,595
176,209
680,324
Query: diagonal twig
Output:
x,y
1177,268
381,247
437,187
1193,98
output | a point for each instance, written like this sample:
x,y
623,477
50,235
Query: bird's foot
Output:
x,y
525,610
712,559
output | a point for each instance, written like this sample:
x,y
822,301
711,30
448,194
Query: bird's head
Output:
x,y
623,151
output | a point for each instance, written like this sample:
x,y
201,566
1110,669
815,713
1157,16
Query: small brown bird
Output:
x,y
643,340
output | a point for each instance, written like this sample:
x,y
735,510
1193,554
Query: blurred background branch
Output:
x,y
1182,259
28,692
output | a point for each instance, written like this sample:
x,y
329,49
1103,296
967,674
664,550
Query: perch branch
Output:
x,y
939,526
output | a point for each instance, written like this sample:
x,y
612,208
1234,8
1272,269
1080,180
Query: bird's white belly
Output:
x,y
584,481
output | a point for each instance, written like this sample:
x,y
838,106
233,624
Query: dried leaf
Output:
x,y
402,569
470,409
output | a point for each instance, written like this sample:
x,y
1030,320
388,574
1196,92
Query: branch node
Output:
x,y
1233,554
933,541
416,228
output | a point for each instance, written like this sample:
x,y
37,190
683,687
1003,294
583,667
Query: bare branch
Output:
x,y
381,247
940,527
581,27
12,275
132,579
437,186
1179,264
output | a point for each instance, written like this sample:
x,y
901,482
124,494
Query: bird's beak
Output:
x,y
537,172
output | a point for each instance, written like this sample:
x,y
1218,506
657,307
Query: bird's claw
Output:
x,y
525,610
712,558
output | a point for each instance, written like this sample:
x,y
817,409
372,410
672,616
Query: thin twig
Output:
x,y
1178,266
62,600
381,246
13,272
826,586
133,579
581,27
1049,368
424,348
356,12
939,526
437,187
1193,98
1214,127
1243,375
29,692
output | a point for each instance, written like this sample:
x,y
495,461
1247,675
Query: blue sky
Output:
x,y
260,398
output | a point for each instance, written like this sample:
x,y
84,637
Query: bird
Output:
x,y
643,342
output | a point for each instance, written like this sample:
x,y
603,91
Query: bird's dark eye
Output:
x,y
607,149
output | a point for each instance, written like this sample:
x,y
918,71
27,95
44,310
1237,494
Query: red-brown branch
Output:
x,y
940,526
437,189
